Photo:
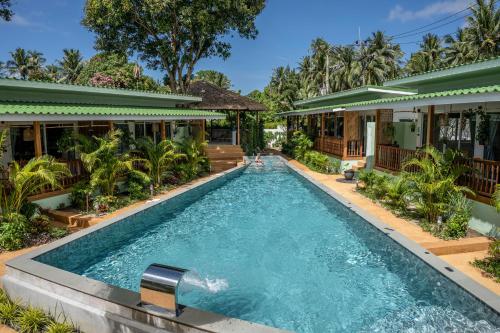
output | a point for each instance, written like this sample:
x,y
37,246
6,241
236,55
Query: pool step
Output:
x,y
223,157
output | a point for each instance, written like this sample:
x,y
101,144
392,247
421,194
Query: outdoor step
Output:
x,y
464,245
222,165
68,217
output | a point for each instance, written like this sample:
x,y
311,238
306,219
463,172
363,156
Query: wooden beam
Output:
x,y
37,138
238,128
163,130
430,125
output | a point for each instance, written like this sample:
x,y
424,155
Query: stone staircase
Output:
x,y
223,157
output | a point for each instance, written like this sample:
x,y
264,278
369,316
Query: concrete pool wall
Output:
x,y
98,307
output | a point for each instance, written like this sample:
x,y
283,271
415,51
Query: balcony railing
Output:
x,y
392,158
330,145
483,177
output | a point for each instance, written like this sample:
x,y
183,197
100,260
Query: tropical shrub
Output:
x,y
396,195
14,230
138,185
496,198
194,161
159,158
491,264
320,162
37,174
301,144
32,320
455,221
59,328
434,183
104,164
81,196
9,311
374,185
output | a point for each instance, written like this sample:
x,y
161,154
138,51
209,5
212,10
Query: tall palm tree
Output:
x,y
53,73
372,67
429,57
159,158
36,63
484,28
71,65
459,48
346,71
390,54
18,65
284,86
307,86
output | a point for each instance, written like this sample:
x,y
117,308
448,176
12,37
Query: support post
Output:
x,y
163,130
430,125
237,128
344,135
322,136
37,138
110,125
203,127
377,130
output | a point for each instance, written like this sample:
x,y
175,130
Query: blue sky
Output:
x,y
286,28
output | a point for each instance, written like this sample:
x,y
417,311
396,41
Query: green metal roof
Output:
x,y
440,94
440,73
10,108
368,89
73,88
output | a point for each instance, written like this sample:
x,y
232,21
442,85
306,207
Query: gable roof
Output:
x,y
216,98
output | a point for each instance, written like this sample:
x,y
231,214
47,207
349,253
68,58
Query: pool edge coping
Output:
x,y
26,263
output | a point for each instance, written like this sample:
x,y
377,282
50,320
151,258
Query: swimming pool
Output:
x,y
273,248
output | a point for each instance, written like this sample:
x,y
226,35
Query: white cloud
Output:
x,y
437,8
23,22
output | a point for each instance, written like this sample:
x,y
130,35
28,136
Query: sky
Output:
x,y
286,29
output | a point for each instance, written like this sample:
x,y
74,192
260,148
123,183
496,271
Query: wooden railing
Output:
x,y
392,158
354,148
483,177
76,168
330,145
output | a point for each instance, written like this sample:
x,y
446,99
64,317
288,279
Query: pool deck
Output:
x,y
458,253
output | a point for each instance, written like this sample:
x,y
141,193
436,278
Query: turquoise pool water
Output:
x,y
272,248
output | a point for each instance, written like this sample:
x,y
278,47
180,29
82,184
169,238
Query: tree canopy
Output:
x,y
214,77
171,36
5,10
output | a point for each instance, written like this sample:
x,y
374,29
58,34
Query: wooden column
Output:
x,y
163,130
430,125
344,135
237,128
37,138
203,127
322,136
110,125
377,130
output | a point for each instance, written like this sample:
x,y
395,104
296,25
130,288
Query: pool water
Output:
x,y
274,249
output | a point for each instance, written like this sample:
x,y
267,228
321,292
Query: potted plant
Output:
x,y
349,174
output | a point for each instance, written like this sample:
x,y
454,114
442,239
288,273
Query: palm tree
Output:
x,y
434,184
194,159
429,57
36,63
158,158
284,86
346,73
459,48
214,77
2,69
71,65
484,28
36,175
380,45
103,163
53,73
307,86
372,67
18,65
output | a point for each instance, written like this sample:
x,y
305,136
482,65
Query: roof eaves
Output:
x,y
39,85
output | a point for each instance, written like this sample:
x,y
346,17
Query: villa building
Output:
x,y
38,116
456,107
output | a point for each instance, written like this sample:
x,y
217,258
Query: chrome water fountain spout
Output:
x,y
159,287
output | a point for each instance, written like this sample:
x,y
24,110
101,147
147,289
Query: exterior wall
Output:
x,y
485,219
